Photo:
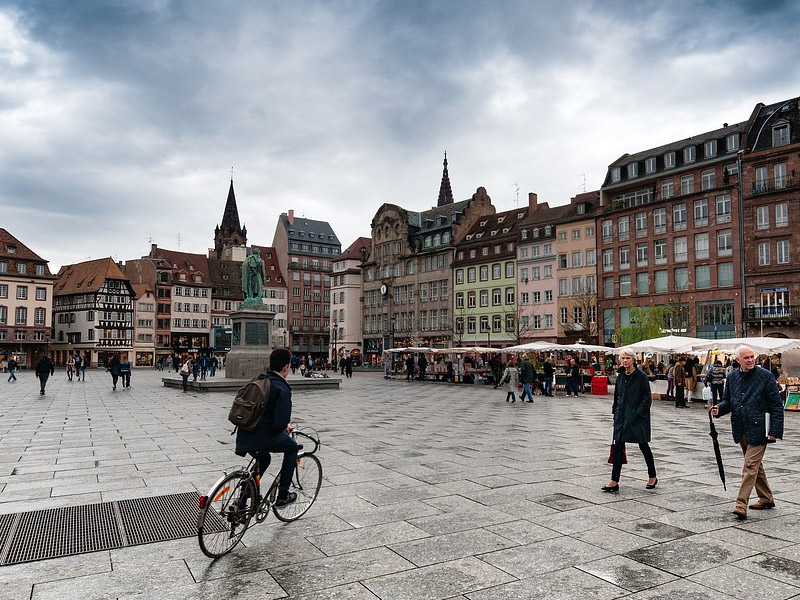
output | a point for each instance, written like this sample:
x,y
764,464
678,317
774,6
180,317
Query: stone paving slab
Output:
x,y
429,491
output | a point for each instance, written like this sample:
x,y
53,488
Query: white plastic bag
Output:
x,y
707,394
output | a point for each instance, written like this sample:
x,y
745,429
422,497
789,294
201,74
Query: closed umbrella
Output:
x,y
713,433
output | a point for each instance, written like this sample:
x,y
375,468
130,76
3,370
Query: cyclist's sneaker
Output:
x,y
288,499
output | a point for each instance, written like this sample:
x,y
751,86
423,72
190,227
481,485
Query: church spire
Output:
x,y
230,232
445,192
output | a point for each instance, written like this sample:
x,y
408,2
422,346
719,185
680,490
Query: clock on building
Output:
x,y
384,289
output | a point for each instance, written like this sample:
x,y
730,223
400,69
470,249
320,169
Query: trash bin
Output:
x,y
599,385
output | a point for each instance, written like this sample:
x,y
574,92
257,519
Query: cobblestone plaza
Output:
x,y
430,491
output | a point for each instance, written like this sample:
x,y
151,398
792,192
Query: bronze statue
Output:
x,y
254,274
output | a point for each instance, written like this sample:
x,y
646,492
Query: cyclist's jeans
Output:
x,y
288,447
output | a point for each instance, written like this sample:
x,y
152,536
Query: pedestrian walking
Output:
x,y
204,364
631,410
527,375
549,372
184,371
125,373
213,365
84,362
574,376
715,379
44,369
12,370
113,368
510,380
410,368
751,396
680,383
294,363
70,367
423,366
670,395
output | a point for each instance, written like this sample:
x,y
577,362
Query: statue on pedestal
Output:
x,y
254,274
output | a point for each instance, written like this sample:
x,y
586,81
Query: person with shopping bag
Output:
x,y
631,410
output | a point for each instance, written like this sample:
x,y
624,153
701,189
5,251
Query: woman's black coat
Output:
x,y
631,407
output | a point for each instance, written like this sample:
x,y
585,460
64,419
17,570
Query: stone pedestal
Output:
x,y
250,342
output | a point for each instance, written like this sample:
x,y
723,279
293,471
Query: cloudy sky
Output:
x,y
121,119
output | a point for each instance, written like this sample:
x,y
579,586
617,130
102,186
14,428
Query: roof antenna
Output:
x,y
179,241
584,182
231,173
517,193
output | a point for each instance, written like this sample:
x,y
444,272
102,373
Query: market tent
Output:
x,y
464,349
762,345
412,349
580,347
533,347
662,345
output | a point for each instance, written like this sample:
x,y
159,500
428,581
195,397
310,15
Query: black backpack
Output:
x,y
250,403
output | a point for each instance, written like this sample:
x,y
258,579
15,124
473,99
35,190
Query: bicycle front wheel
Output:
x,y
225,514
305,483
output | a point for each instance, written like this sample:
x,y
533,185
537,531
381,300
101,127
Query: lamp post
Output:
x,y
335,354
393,320
740,187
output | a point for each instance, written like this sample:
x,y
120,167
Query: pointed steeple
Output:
x,y
445,192
229,232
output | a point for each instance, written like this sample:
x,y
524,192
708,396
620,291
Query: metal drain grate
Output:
x,y
160,518
51,533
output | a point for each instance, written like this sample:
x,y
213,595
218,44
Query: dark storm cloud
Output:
x,y
119,120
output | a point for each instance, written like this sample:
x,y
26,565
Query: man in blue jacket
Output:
x,y
751,396
272,432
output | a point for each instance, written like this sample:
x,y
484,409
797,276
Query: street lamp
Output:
x,y
740,207
335,355
394,322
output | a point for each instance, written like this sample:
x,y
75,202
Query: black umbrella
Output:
x,y
713,433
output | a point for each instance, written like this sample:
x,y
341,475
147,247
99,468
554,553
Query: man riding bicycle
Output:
x,y
272,432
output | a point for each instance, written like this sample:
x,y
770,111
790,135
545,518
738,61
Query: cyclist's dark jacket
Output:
x,y
272,427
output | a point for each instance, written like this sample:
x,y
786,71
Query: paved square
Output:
x,y
430,490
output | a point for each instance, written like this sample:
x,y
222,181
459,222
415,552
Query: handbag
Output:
x,y
611,455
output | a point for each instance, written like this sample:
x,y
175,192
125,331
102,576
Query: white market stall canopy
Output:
x,y
412,349
762,345
552,346
670,344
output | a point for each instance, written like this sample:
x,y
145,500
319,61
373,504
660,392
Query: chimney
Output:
x,y
532,201
153,249
291,216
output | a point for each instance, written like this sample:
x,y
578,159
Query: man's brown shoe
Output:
x,y
740,512
762,504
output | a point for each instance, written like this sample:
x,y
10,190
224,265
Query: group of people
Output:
x,y
749,394
119,369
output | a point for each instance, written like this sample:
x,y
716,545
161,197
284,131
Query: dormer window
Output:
x,y
548,230
689,154
536,232
780,134
616,174
633,170
669,160
501,219
524,234
710,148
484,222
11,249
732,142
582,208
650,164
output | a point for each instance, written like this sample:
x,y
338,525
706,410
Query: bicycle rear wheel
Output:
x,y
225,514
305,483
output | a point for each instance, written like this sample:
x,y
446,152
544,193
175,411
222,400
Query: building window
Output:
x,y
625,257
641,224
681,279
608,260
22,268
496,271
41,293
548,296
780,135
39,315
779,175
667,189
484,324
701,245
470,299
484,273
563,315
608,287
660,281
660,251
687,184
725,274
624,285
22,292
781,215
763,253
633,170
650,165
710,148
680,252
21,315
782,252
762,217
577,259
471,274
497,297
689,154
616,174
563,288
641,255
669,160
708,180
591,257
608,231
623,228
484,298
724,208
724,242
679,217
509,270
702,277
642,284
732,142
659,220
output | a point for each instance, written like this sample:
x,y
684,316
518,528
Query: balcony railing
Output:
x,y
762,186
772,313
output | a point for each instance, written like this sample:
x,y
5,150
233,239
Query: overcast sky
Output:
x,y
120,120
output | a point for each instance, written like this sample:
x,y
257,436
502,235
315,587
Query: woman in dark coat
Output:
x,y
631,419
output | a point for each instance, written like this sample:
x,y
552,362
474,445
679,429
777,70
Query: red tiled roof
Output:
x,y
87,276
21,252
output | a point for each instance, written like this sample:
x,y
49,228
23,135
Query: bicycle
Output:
x,y
235,499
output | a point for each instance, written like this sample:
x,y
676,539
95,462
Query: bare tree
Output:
x,y
582,320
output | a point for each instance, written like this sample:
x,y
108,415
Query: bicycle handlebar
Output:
x,y
309,437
